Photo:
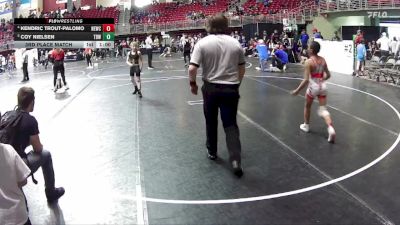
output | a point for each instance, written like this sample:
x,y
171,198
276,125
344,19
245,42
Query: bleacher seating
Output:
x,y
170,12
6,34
254,7
108,12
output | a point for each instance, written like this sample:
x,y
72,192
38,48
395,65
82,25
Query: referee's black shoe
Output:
x,y
136,91
212,156
237,169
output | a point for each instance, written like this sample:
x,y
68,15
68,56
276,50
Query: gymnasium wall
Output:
x,y
329,23
108,3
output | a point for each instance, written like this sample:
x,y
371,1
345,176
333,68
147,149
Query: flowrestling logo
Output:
x,y
377,14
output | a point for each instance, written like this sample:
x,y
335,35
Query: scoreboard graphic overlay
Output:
x,y
64,33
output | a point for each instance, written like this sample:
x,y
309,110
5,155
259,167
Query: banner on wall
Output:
x,y
338,55
5,7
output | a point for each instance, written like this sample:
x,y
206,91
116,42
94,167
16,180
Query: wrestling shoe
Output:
x,y
332,134
305,127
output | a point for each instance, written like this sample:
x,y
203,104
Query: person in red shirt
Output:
x,y
58,56
359,37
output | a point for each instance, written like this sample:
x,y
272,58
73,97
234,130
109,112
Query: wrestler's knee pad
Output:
x,y
323,112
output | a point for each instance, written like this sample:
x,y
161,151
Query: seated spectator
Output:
x,y
251,50
166,52
14,173
317,34
279,58
27,135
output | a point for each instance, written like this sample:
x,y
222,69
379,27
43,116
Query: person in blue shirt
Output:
x,y
317,34
263,54
280,58
361,56
304,39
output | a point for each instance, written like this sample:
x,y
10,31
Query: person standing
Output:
x,y
223,63
14,173
88,56
361,57
315,76
304,40
383,43
393,46
134,43
58,56
263,55
187,47
25,65
359,36
275,37
134,60
397,50
149,51
336,36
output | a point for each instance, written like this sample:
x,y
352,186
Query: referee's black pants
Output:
x,y
59,66
89,60
186,54
25,71
149,52
225,98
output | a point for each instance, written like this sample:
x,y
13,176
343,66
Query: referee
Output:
x,y
25,65
223,63
149,51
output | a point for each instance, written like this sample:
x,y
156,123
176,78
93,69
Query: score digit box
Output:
x,y
108,36
104,44
108,28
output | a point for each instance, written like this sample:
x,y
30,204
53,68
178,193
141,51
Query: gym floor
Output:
x,y
126,160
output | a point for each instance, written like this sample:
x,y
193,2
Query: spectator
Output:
x,y
263,55
265,36
361,57
304,39
279,58
383,43
275,37
317,34
28,134
358,38
397,51
336,37
14,173
393,46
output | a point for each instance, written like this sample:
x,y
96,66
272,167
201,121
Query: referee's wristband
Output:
x,y
192,83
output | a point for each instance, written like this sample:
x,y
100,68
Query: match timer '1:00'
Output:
x,y
108,32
